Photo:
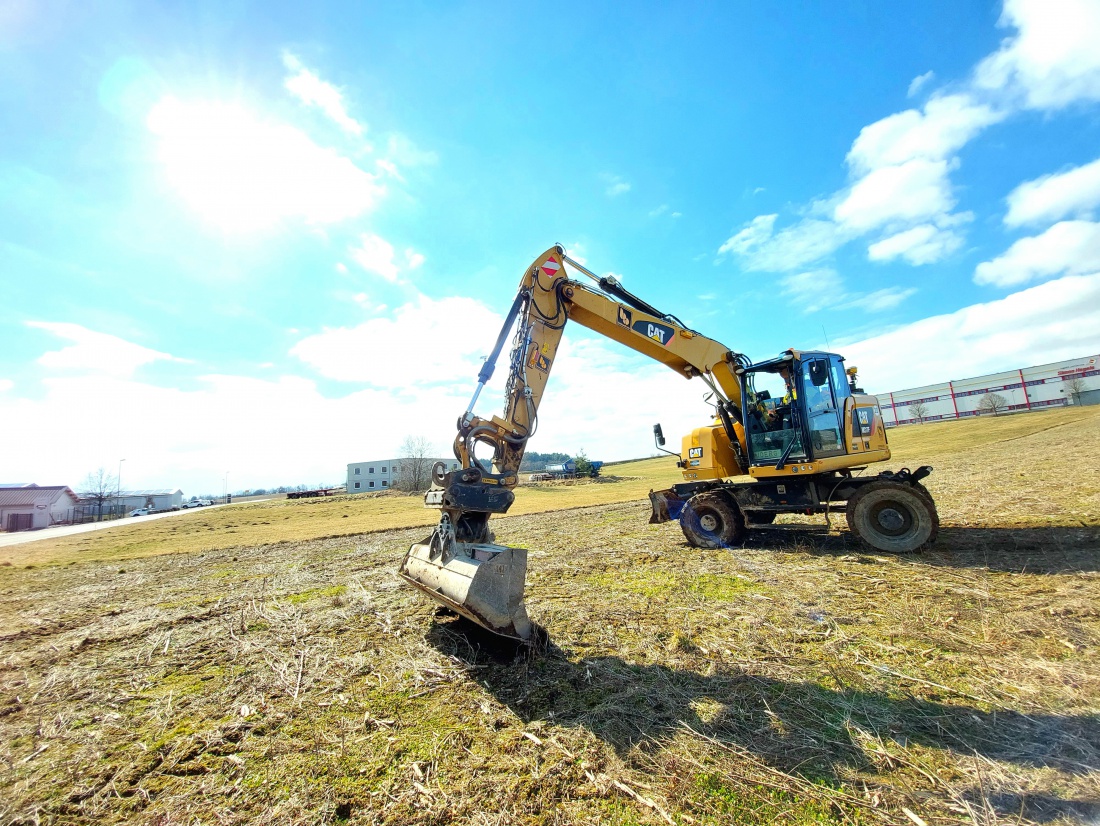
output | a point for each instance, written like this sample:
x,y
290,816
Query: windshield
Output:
x,y
769,422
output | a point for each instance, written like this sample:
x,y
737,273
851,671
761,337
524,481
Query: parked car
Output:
x,y
139,512
192,504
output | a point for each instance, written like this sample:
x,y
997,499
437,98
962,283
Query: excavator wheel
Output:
x,y
893,517
710,520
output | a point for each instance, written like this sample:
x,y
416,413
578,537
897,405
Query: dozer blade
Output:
x,y
482,582
666,506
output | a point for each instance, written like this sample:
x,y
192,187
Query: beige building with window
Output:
x,y
381,474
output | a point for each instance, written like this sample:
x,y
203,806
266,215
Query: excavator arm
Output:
x,y
458,564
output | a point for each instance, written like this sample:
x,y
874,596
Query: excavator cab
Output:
x,y
806,422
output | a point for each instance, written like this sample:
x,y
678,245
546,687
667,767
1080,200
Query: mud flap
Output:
x,y
666,506
482,582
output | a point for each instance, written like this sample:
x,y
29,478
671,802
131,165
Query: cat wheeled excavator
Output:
x,y
799,449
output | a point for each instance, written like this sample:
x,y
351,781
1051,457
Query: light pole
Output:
x,y
225,489
118,487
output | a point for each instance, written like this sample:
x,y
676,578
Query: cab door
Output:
x,y
823,414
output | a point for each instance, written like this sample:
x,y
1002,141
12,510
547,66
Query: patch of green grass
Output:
x,y
314,593
760,804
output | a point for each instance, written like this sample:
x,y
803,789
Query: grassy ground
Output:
x,y
284,673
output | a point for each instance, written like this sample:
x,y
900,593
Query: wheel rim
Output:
x,y
891,519
709,522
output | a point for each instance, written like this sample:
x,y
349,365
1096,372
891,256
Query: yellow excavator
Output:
x,y
796,426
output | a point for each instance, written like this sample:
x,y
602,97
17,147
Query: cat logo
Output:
x,y
661,333
624,316
695,453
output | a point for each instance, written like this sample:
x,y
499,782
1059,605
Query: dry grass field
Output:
x,y
263,662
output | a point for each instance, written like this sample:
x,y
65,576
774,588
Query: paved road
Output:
x,y
19,538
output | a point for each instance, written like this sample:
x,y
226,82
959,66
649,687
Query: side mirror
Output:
x,y
819,373
658,435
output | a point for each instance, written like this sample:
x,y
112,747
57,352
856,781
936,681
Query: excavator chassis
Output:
x,y
889,512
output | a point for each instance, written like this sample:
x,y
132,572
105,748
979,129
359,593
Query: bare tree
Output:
x,y
992,403
1076,386
100,487
415,465
918,411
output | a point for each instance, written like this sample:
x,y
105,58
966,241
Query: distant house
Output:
x,y
31,507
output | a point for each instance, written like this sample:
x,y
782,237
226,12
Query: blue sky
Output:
x,y
269,240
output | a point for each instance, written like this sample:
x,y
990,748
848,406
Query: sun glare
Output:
x,y
241,173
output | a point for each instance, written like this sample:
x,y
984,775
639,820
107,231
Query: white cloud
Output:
x,y
615,185
1052,60
661,210
604,398
916,190
824,288
341,268
375,255
95,352
6,385
243,173
923,244
1053,321
1072,192
1069,247
312,91
413,259
190,438
946,124
814,290
750,237
919,82
424,331
576,252
402,151
796,246
881,300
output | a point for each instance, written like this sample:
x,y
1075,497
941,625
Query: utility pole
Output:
x,y
225,489
118,489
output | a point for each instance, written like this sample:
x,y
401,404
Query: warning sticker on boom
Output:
x,y
539,360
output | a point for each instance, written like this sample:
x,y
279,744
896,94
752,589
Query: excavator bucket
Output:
x,y
482,582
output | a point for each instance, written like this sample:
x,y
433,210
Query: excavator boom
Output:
x,y
458,565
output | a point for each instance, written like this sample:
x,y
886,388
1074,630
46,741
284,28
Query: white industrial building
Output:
x,y
1024,389
380,474
30,507
157,499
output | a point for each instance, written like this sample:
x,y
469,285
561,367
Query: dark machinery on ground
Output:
x,y
796,426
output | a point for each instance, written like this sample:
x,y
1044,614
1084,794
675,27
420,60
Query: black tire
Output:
x,y
710,520
893,517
